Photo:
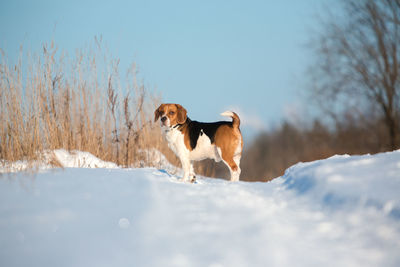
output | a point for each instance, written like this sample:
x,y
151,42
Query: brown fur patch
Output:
x,y
158,112
185,131
227,139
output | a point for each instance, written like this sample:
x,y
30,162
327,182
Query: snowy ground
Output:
x,y
343,211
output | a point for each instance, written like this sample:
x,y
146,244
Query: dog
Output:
x,y
193,140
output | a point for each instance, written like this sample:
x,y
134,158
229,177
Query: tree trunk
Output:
x,y
392,129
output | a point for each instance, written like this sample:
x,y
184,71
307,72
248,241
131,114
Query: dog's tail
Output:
x,y
234,116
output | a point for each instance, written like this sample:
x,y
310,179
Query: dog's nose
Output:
x,y
163,119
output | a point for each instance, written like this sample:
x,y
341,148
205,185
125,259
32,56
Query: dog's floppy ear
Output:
x,y
181,116
157,113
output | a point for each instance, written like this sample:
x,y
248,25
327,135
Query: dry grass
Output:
x,y
50,101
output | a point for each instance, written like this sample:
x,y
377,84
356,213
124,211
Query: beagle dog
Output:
x,y
193,141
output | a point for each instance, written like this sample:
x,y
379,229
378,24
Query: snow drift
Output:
x,y
342,211
78,159
57,158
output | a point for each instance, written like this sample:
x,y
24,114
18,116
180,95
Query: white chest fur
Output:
x,y
176,142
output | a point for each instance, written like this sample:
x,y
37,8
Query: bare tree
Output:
x,y
357,64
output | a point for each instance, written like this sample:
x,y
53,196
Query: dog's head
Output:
x,y
171,114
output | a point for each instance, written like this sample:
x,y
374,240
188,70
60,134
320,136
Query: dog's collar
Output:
x,y
176,126
179,125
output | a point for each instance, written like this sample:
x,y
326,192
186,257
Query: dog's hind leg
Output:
x,y
233,166
236,174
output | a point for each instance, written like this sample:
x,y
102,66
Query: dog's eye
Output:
x,y
171,113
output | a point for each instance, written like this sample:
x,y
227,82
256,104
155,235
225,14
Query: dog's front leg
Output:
x,y
186,168
192,174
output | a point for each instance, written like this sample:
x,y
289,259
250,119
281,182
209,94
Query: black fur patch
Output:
x,y
208,128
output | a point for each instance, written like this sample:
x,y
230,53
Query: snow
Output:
x,y
159,161
79,159
60,157
342,211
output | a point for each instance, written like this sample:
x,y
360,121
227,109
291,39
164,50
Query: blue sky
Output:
x,y
209,56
